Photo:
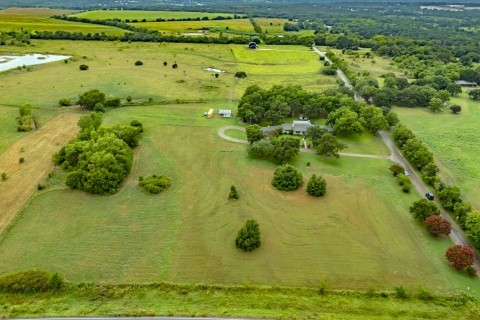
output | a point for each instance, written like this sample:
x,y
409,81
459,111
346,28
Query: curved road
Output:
x,y
457,235
221,133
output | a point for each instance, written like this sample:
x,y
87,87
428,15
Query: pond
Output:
x,y
12,62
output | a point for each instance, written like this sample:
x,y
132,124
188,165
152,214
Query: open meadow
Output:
x,y
32,19
186,233
234,26
359,236
453,140
148,15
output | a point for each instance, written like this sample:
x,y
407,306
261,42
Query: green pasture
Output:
x,y
453,140
27,19
281,65
148,15
376,66
273,26
237,134
186,234
238,26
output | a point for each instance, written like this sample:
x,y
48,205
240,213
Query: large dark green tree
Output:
x,y
287,178
249,236
90,98
254,133
423,208
329,146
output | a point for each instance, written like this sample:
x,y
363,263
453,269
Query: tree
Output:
x,y
25,110
460,256
456,108
287,178
402,134
83,67
261,149
64,102
474,94
372,119
285,149
435,105
233,194
138,63
417,153
449,196
329,146
315,133
344,122
392,119
437,225
472,224
254,133
397,169
461,211
317,186
443,95
154,184
249,237
421,209
90,98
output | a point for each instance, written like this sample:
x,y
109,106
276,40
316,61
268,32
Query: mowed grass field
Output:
x,y
281,65
33,19
359,236
238,26
453,141
112,70
148,15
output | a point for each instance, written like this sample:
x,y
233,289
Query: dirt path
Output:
x,y
38,148
221,133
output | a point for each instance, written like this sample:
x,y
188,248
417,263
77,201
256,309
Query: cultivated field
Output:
x,y
234,26
453,141
148,15
24,19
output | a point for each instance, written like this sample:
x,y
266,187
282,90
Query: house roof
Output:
x,y
221,111
465,83
301,126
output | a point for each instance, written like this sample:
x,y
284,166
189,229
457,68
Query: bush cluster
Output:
x,y
32,281
317,186
155,184
100,158
25,119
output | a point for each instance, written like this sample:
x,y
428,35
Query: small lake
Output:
x,y
11,62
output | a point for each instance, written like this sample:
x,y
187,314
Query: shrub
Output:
x,y
456,108
175,65
90,98
155,184
424,294
136,124
437,225
423,208
240,74
113,103
21,160
317,186
4,176
460,256
40,186
449,196
248,237
401,293
138,63
65,102
233,193
406,187
322,289
471,271
287,178
99,107
129,99
83,67
396,169
30,282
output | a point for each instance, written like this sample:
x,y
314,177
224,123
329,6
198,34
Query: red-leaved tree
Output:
x,y
460,256
437,225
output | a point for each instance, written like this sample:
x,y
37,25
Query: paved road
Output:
x,y
457,235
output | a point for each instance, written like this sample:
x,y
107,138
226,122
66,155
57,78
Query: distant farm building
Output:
x,y
296,127
464,83
225,113
252,45
210,113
